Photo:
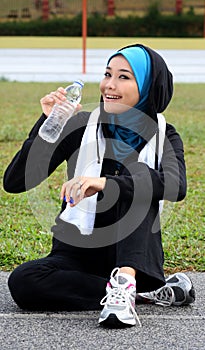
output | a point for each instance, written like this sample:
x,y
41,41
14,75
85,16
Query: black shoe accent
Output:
x,y
113,322
191,298
192,294
173,279
179,294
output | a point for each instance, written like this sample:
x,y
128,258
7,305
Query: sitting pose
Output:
x,y
123,161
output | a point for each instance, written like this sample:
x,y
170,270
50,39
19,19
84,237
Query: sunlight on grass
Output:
x,y
101,42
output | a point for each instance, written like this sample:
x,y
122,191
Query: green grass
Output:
x,y
24,232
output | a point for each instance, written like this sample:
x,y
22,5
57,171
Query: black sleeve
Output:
x,y
37,159
169,182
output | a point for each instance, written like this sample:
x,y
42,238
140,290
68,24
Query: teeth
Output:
x,y
113,97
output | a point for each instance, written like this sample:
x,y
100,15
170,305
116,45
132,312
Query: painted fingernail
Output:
x,y
71,201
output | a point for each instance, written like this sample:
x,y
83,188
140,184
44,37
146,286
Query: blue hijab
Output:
x,y
127,128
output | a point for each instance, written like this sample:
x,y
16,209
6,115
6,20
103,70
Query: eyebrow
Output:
x,y
121,70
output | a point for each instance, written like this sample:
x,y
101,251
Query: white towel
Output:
x,y
83,214
147,154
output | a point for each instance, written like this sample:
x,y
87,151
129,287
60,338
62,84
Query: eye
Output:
x,y
122,76
107,74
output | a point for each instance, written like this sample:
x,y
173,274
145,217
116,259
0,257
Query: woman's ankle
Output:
x,y
128,270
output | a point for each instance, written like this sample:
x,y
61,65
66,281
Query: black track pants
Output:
x,y
46,284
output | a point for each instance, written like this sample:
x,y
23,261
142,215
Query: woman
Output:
x,y
123,160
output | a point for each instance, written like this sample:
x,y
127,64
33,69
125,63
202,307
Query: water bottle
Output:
x,y
51,129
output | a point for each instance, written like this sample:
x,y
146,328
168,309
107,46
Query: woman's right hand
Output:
x,y
48,101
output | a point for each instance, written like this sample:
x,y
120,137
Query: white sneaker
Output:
x,y
178,291
119,302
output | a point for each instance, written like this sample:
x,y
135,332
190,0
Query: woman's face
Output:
x,y
119,87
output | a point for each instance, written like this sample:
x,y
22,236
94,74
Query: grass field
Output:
x,y
100,43
24,228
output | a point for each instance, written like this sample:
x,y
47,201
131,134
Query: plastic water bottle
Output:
x,y
51,129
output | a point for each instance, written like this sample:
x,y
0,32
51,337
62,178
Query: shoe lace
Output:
x,y
119,296
163,296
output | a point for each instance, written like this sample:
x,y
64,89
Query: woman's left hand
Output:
x,y
80,187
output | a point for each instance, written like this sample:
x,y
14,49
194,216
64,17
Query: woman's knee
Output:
x,y
18,286
22,284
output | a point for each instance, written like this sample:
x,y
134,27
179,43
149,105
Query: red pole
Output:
x,y
178,7
84,32
111,7
45,9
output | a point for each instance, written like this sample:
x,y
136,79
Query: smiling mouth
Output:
x,y
112,97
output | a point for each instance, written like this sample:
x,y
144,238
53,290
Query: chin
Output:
x,y
115,108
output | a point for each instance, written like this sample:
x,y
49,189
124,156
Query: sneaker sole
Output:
x,y
113,322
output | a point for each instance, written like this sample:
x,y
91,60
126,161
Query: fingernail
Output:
x,y
71,201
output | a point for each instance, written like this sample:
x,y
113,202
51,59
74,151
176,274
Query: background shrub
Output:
x,y
153,24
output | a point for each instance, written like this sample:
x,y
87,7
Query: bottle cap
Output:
x,y
80,82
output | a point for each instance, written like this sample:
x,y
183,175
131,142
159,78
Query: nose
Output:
x,y
111,83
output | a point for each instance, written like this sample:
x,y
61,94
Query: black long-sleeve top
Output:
x,y
37,159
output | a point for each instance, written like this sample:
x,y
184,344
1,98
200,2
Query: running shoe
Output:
x,y
119,302
178,291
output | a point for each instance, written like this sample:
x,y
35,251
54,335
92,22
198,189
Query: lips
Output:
x,y
112,97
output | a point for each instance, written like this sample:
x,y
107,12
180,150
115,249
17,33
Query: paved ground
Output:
x,y
66,64
172,328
